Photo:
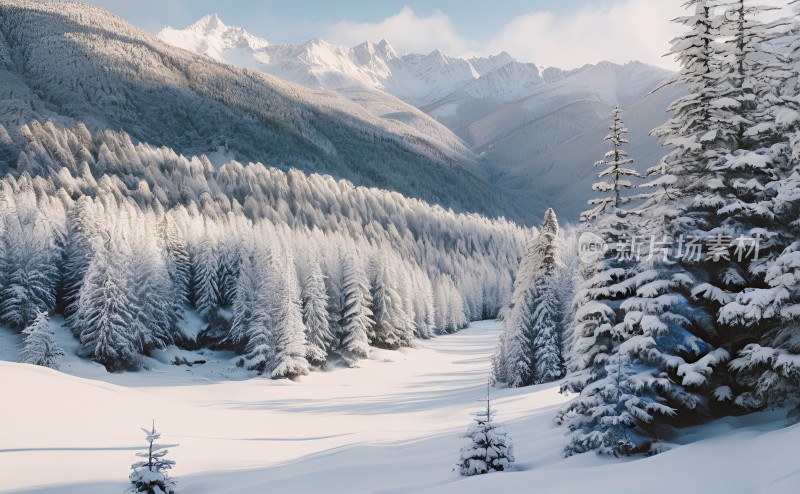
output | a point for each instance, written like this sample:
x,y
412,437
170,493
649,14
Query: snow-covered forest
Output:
x,y
123,238
690,313
142,264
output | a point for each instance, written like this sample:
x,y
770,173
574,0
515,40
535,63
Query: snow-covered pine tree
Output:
x,y
103,318
28,265
81,230
229,261
617,419
355,318
531,345
155,307
595,300
630,330
767,369
179,265
315,316
252,320
206,272
388,313
150,476
424,308
490,449
290,348
615,168
753,71
404,290
39,346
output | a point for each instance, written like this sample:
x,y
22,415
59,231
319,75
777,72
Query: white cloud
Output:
x,y
626,30
406,31
619,32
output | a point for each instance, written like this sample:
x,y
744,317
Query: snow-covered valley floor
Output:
x,y
390,426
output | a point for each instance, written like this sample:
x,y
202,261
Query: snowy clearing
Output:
x,y
391,425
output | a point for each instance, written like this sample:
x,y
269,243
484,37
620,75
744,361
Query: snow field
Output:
x,y
390,426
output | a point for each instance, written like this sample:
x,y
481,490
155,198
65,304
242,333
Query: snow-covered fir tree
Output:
x,y
490,448
355,317
314,301
530,347
155,307
289,359
206,278
28,264
616,415
390,329
179,264
150,475
39,346
229,261
615,173
767,368
661,315
103,319
82,228
252,320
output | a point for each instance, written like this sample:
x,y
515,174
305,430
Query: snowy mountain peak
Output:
x,y
212,37
207,24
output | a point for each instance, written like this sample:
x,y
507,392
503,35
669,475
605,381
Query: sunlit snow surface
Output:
x,y
391,425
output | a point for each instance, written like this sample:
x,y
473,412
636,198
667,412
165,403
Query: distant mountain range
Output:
x,y
535,132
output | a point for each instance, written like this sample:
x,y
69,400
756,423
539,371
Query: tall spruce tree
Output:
x,y
103,319
28,265
530,349
289,359
206,278
767,367
355,318
314,300
389,330
615,171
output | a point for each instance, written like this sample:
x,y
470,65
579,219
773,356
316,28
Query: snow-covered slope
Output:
x,y
508,112
392,425
68,62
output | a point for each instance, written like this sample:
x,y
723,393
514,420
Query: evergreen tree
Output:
x,y
252,320
355,317
179,264
290,341
615,168
315,317
229,261
760,317
615,417
489,449
150,476
206,273
39,346
154,304
531,345
103,318
82,228
389,314
28,266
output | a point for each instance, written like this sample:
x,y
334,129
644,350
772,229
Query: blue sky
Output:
x,y
562,33
292,21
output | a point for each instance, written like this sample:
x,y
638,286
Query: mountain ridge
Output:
x,y
70,62
509,113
